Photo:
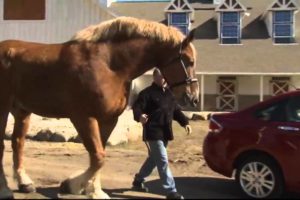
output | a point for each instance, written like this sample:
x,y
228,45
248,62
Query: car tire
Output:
x,y
260,177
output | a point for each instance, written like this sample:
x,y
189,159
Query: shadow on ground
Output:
x,y
193,188
189,187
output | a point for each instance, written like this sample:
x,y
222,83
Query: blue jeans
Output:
x,y
158,157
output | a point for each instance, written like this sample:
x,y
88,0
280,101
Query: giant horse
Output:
x,y
86,79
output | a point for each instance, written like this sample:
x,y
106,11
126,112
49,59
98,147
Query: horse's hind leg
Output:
x,y
5,192
21,126
88,182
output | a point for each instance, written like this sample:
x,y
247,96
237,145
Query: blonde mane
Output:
x,y
123,28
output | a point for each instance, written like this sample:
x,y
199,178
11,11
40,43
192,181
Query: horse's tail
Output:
x,y
7,56
6,59
8,52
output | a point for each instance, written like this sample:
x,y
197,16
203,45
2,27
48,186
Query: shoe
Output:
x,y
174,195
139,186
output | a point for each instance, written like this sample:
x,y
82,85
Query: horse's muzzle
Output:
x,y
195,102
190,99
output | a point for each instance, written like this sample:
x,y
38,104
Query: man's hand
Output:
x,y
188,129
143,118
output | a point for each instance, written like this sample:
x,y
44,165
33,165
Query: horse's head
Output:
x,y
180,74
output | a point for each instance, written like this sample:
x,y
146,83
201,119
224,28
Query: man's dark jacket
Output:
x,y
161,108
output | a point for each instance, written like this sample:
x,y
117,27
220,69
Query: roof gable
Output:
x,y
179,6
283,5
230,5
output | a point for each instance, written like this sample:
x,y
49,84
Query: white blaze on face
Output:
x,y
196,91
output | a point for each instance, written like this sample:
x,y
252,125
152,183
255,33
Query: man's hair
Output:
x,y
156,72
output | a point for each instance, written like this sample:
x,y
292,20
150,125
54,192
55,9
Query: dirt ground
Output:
x,y
50,163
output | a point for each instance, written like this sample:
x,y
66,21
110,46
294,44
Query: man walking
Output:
x,y
155,108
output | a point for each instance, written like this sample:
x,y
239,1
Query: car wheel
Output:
x,y
260,177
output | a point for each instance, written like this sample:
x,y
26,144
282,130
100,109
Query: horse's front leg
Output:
x,y
88,182
21,126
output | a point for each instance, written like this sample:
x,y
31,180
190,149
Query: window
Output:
x,y
283,27
230,28
180,20
274,112
287,110
24,10
293,109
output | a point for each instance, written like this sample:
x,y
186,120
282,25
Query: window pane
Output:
x,y
283,16
182,28
179,18
230,41
230,17
284,40
293,109
274,112
230,31
283,30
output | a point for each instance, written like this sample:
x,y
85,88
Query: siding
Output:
x,y
63,19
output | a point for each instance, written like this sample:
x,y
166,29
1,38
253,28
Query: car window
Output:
x,y
284,111
293,109
274,112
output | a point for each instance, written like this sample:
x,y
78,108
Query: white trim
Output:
x,y
179,9
261,84
202,93
283,6
230,7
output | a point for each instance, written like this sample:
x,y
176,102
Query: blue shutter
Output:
x,y
180,20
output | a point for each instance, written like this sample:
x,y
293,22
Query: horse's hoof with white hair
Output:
x,y
93,190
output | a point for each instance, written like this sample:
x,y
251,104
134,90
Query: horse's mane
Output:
x,y
123,28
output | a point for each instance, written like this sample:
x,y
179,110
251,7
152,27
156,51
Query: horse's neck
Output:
x,y
135,57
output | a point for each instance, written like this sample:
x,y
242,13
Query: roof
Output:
x,y
256,54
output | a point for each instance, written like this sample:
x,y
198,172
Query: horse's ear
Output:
x,y
189,38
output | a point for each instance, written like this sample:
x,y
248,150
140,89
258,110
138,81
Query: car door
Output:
x,y
281,135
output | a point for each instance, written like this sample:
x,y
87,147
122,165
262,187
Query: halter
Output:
x,y
188,80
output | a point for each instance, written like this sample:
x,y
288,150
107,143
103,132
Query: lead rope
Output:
x,y
144,138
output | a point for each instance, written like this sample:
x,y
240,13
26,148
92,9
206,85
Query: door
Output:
x,y
280,132
280,85
227,97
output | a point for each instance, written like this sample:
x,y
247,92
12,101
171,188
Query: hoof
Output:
x,y
27,188
65,187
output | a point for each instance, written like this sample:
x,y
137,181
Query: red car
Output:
x,y
259,145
